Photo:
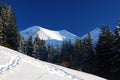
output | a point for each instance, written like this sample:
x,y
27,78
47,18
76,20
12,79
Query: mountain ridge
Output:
x,y
50,36
57,37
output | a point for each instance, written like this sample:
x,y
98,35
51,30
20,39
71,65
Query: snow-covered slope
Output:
x,y
50,36
94,35
17,66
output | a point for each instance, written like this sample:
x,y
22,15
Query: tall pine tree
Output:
x,y
103,50
36,48
1,32
11,34
88,54
39,49
115,55
77,55
29,46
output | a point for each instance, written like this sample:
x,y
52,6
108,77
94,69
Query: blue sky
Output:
x,y
76,16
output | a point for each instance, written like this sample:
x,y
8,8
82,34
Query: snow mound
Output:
x,y
31,69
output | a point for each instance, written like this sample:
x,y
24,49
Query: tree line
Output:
x,y
102,58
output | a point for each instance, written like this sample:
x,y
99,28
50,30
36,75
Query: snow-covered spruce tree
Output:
x,y
29,46
76,61
11,34
88,53
115,56
103,50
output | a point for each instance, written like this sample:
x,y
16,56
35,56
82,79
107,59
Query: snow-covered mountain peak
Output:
x,y
51,36
47,34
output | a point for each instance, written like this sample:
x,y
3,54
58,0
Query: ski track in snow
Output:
x,y
51,68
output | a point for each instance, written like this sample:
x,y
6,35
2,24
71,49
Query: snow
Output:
x,y
57,37
46,34
50,36
118,26
17,66
94,35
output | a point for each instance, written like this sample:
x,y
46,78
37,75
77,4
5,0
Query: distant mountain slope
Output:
x,y
17,66
94,35
51,36
57,37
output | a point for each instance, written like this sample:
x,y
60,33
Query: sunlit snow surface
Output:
x,y
50,36
17,66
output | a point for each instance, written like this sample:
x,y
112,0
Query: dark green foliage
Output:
x,y
103,50
43,55
10,34
36,48
21,45
39,50
51,53
115,56
29,46
115,60
88,54
66,51
76,61
1,32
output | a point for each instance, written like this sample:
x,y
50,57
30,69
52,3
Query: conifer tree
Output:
x,y
77,55
51,52
66,52
1,27
39,49
115,55
11,34
36,48
43,55
1,32
103,50
88,54
29,46
21,45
